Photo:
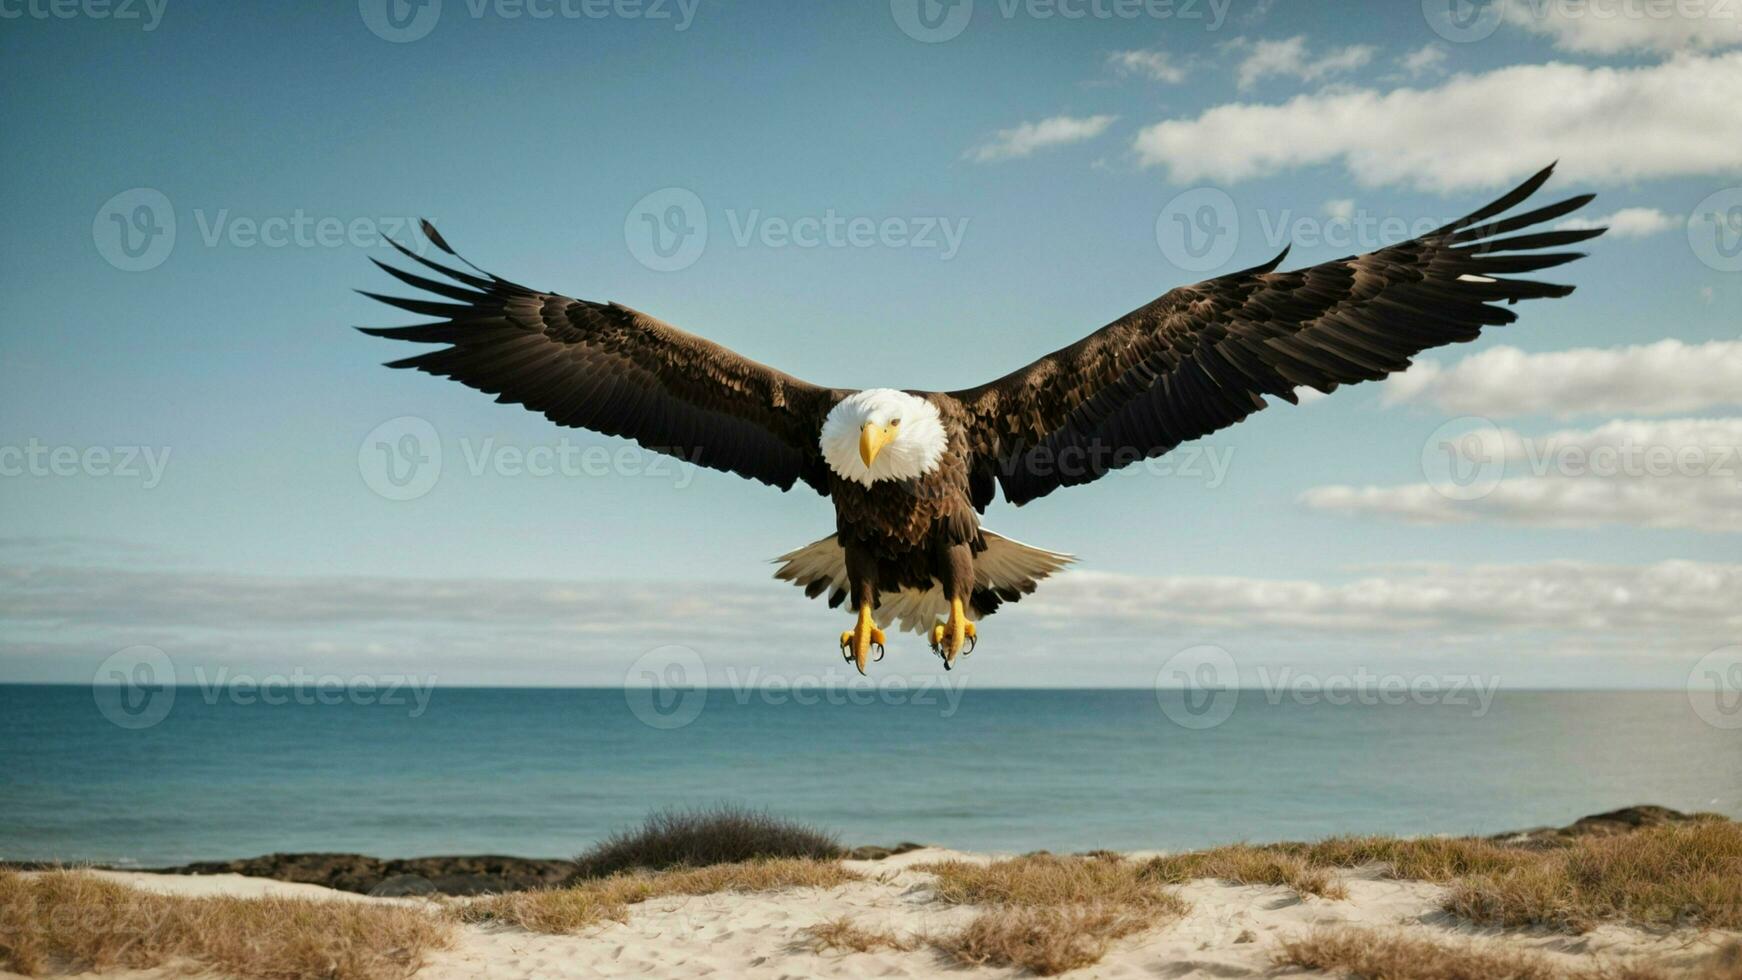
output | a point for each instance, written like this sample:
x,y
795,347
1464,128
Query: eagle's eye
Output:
x,y
894,421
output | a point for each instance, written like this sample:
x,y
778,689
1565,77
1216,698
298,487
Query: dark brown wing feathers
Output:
x,y
1193,361
609,368
1202,357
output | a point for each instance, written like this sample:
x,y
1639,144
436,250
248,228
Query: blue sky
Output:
x,y
1054,146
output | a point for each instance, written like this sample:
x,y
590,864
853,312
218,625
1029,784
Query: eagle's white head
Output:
x,y
883,434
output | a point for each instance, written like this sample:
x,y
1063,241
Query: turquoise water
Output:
x,y
546,772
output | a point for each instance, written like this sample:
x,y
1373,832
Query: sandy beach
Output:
x,y
1229,931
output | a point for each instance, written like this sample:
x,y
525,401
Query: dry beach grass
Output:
x,y
1684,874
592,901
1049,914
1044,940
1247,865
70,921
843,935
696,838
1688,875
1383,955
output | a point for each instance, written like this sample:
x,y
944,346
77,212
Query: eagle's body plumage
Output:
x,y
910,472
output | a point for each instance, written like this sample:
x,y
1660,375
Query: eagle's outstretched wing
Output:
x,y
609,368
1200,357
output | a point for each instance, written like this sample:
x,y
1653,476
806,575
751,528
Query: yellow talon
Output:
x,y
949,637
857,642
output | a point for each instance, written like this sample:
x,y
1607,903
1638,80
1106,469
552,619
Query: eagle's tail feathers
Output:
x,y
1005,571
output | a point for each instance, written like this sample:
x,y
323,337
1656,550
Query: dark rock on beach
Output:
x,y
873,852
1611,824
487,873
463,875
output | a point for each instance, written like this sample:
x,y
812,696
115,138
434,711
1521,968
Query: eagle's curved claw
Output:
x,y
955,636
857,643
847,648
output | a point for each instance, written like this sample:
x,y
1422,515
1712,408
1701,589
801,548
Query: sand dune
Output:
x,y
1231,930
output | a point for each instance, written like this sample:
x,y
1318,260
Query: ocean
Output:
x,y
546,772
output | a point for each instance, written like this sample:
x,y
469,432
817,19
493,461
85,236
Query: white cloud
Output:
x,y
1604,124
1627,222
1427,59
1155,65
1649,379
1025,139
60,621
458,630
1674,473
1615,26
1291,59
1340,208
1624,603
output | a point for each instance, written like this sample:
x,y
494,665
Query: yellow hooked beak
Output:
x,y
872,439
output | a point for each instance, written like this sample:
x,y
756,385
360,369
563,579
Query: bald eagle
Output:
x,y
911,471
